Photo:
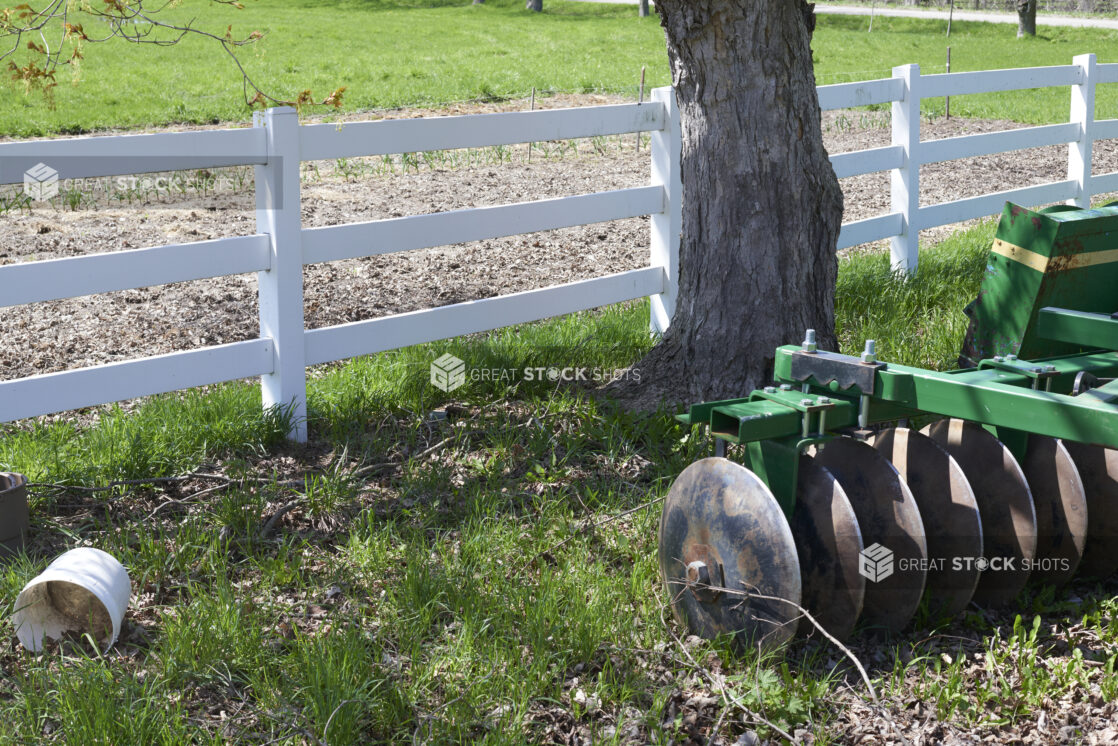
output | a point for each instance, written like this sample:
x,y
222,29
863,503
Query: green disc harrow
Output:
x,y
867,488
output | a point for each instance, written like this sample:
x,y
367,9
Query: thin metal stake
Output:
x,y
640,100
531,107
947,99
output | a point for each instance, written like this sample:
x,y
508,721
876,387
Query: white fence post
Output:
x,y
1083,113
905,181
281,286
667,225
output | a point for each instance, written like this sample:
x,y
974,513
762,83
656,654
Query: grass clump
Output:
x,y
915,320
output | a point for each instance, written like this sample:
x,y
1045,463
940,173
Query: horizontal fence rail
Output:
x,y
85,387
353,240
33,282
90,157
276,146
323,141
391,332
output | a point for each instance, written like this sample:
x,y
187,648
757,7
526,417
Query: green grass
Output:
x,y
442,580
915,321
392,54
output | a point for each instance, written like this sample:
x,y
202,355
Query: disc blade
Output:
x,y
1061,509
829,542
949,510
1098,468
896,553
1004,502
722,516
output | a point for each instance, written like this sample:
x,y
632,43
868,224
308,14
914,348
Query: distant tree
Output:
x,y
536,5
1026,18
644,8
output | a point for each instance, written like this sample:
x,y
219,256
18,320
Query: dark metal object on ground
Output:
x,y
14,519
721,526
1017,481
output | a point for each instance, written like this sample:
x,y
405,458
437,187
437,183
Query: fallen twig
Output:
x,y
807,615
270,525
719,685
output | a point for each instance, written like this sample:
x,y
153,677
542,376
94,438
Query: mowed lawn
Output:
x,y
398,54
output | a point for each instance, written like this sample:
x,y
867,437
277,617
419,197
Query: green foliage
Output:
x,y
915,320
415,52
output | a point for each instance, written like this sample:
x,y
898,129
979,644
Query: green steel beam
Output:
x,y
1091,330
1000,398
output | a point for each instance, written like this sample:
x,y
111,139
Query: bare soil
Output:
x,y
66,334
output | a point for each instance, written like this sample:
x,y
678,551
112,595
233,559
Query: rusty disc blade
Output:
x,y
896,553
1098,468
948,509
1004,502
829,543
1061,509
720,517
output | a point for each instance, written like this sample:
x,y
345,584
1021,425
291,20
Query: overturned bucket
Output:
x,y
13,513
83,591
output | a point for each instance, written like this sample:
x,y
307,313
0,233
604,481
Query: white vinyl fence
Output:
x,y
907,153
277,145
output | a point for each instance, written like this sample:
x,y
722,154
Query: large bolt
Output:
x,y
869,354
809,341
702,584
785,387
1011,358
770,389
698,573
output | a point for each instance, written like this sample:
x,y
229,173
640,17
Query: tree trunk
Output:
x,y
644,8
761,205
1026,18
536,5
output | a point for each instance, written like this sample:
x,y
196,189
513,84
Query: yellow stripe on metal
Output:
x,y
1042,263
1086,259
1030,259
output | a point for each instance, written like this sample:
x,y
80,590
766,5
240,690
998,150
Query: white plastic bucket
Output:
x,y
85,590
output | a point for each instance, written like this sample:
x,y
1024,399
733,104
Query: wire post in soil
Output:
x,y
947,99
531,107
640,100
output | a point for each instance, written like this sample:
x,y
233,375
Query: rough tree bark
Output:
x,y
1026,18
761,205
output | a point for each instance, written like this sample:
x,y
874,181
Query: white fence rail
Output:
x,y
277,144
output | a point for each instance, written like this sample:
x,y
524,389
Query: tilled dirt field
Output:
x,y
73,333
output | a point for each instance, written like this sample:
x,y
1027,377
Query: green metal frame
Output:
x,y
1048,295
1015,397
